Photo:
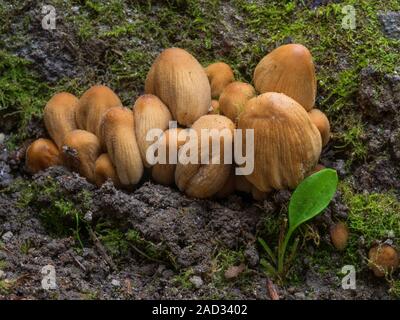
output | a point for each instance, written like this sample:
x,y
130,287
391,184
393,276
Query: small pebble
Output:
x,y
196,281
7,236
115,283
2,138
2,274
300,295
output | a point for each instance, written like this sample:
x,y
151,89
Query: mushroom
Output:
x,y
80,151
234,98
202,180
171,140
339,235
214,109
59,116
229,186
322,123
383,259
288,69
149,113
244,185
117,134
179,80
105,170
93,104
287,145
41,154
220,75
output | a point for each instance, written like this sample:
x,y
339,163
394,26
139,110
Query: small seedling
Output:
x,y
309,199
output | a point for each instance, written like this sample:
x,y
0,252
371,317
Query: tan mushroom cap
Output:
x,y
164,173
220,75
383,259
149,113
117,133
179,80
288,69
322,123
59,116
287,145
41,154
80,151
204,180
105,170
234,98
93,104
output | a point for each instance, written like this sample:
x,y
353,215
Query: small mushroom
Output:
x,y
105,170
288,69
59,116
164,173
339,235
322,123
179,80
149,113
220,75
287,145
80,151
41,154
93,104
202,180
383,259
117,133
214,109
234,98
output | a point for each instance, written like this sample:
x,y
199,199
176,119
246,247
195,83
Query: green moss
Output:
x,y
22,94
372,217
3,264
182,279
113,239
60,216
350,139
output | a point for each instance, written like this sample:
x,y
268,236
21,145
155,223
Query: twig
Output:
x,y
272,290
102,250
79,264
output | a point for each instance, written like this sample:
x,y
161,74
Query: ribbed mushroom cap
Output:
x,y
220,75
179,80
204,180
80,151
117,133
59,116
104,170
164,173
41,154
234,98
287,145
93,104
150,113
288,69
322,123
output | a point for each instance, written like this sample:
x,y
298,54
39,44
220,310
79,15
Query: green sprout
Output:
x,y
309,199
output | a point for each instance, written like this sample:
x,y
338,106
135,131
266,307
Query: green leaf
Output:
x,y
311,197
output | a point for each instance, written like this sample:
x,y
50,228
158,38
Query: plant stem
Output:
x,y
282,250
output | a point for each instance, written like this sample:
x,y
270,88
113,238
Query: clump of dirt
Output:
x,y
379,98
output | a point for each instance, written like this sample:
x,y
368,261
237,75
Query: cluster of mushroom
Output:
x,y
99,138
